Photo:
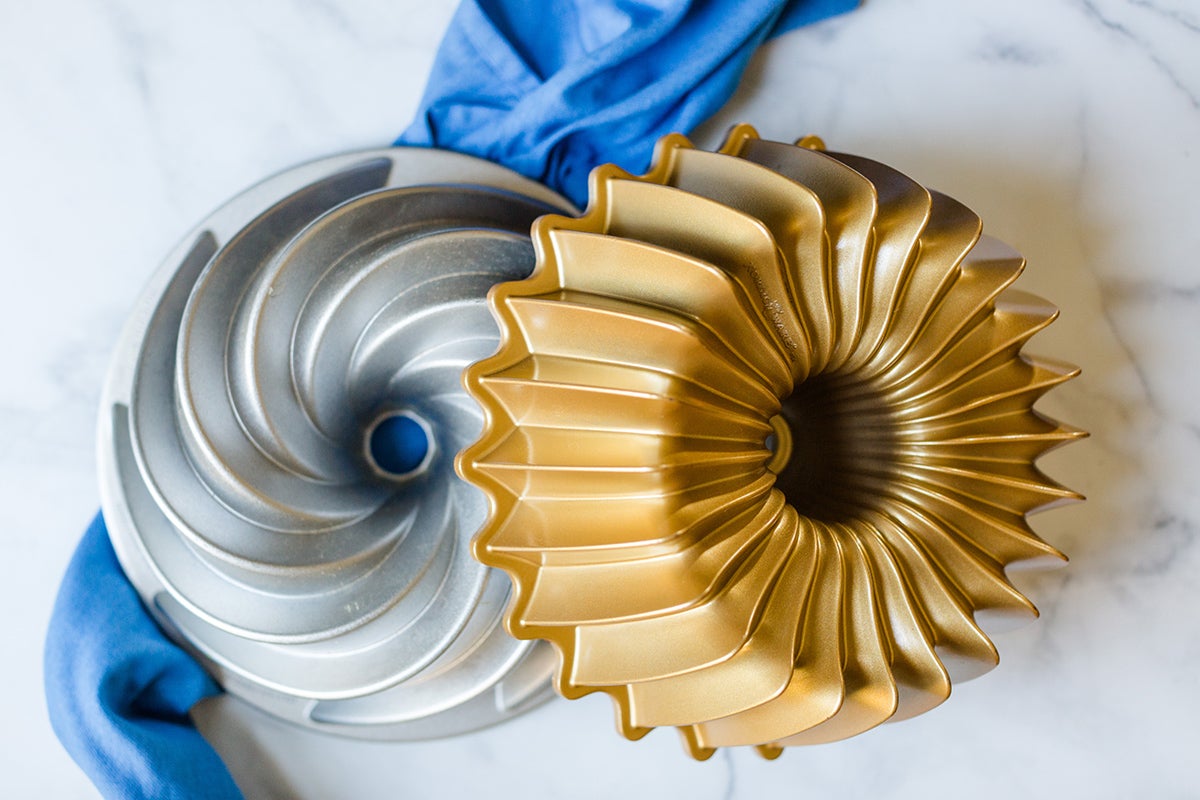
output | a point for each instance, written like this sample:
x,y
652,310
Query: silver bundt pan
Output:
x,y
238,431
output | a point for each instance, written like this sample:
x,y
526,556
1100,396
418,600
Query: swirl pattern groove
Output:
x,y
760,444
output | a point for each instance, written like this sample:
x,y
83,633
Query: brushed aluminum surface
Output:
x,y
238,479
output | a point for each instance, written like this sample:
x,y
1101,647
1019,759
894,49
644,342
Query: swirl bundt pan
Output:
x,y
278,434
759,444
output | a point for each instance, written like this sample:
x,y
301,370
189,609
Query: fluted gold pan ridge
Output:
x,y
760,443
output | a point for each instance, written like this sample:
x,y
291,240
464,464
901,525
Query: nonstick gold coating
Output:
x,y
760,443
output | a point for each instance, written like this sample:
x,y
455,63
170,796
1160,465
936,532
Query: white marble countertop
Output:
x,y
1071,126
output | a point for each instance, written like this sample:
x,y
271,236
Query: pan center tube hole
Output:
x,y
399,445
831,450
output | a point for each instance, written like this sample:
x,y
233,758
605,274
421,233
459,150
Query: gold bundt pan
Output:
x,y
760,443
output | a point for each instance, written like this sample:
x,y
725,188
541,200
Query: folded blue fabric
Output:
x,y
550,89
119,691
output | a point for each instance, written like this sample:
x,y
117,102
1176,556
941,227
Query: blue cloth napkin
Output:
x,y
550,89
119,691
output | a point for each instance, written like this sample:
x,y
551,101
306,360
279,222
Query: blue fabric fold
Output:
x,y
119,691
550,89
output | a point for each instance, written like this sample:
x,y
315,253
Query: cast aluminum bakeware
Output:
x,y
760,444
240,451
